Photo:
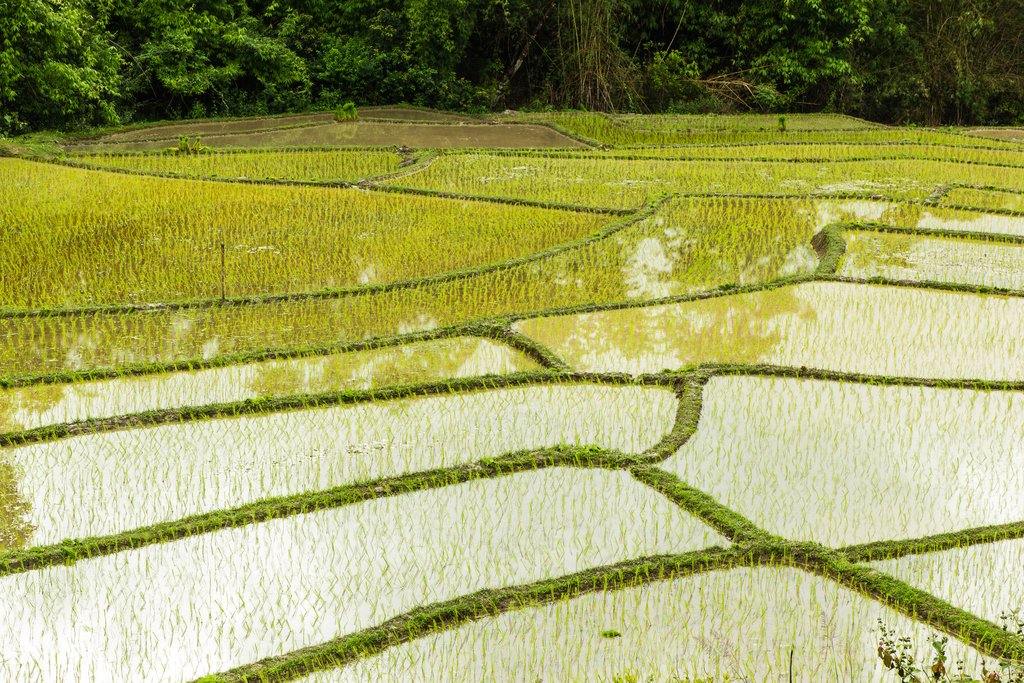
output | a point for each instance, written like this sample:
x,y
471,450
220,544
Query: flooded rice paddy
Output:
x,y
733,625
918,258
40,405
843,327
973,578
90,485
233,596
844,463
646,398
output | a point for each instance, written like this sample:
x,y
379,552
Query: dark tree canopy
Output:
x,y
74,63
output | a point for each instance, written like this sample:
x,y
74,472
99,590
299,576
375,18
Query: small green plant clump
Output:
x,y
346,112
896,653
187,145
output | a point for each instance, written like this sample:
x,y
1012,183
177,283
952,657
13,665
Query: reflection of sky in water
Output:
x,y
179,610
844,327
41,405
843,463
739,623
92,484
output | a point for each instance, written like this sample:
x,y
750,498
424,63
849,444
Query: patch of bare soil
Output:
x,y
409,114
1011,134
368,133
200,128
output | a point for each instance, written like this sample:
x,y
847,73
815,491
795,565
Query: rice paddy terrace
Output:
x,y
542,397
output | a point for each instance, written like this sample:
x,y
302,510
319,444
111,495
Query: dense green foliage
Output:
x,y
72,63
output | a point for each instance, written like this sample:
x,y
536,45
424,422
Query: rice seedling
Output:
x,y
352,429
937,218
346,112
740,122
623,183
868,329
15,527
987,199
241,594
680,249
320,164
366,133
824,152
689,245
628,131
1010,134
735,625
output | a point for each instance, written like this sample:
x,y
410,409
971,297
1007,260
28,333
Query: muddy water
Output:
x,y
180,610
250,125
216,127
1011,134
409,114
373,134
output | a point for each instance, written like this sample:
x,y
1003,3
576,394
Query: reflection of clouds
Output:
x,y
914,257
654,338
367,275
801,259
419,322
831,211
948,219
210,348
646,271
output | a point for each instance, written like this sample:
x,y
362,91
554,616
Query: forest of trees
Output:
x,y
69,64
